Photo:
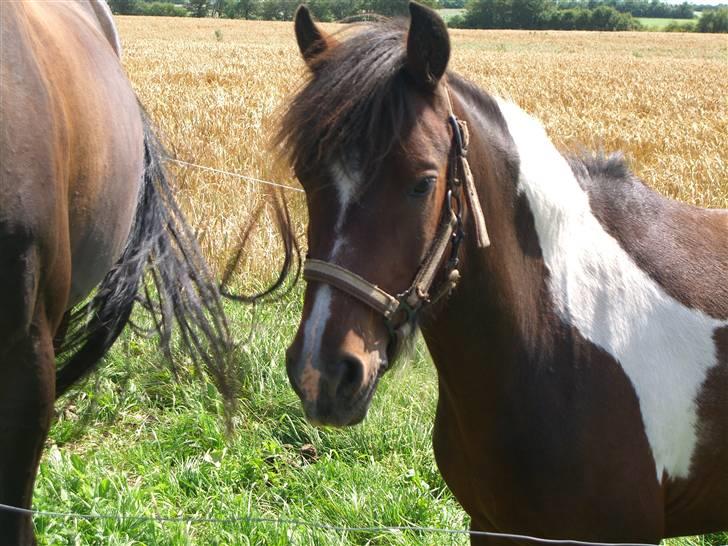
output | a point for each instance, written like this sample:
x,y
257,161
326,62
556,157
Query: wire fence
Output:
x,y
234,175
285,522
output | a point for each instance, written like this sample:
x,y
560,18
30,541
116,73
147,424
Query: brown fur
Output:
x,y
84,204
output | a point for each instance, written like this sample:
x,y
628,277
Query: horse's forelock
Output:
x,y
356,98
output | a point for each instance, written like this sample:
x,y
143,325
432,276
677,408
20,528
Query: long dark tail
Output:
x,y
162,269
291,265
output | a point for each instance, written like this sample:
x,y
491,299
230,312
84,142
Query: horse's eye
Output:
x,y
423,187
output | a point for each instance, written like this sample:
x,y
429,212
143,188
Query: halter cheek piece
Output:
x,y
400,310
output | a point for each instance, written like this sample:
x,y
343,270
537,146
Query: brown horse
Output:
x,y
84,206
582,357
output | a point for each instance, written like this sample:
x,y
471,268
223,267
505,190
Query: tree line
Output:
x,y
637,8
489,14
271,10
542,14
584,15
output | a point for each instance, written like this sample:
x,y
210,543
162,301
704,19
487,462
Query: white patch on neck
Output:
x,y
665,348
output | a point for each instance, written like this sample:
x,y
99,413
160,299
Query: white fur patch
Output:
x,y
665,348
312,333
347,183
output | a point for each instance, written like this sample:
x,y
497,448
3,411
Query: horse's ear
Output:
x,y
428,46
311,39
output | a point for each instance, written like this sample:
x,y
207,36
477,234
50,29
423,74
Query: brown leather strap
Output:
x,y
352,284
481,232
471,195
420,290
373,296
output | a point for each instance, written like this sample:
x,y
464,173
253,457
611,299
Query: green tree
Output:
x,y
123,7
715,20
603,18
166,9
564,19
488,14
240,9
684,11
277,10
674,26
529,14
392,7
198,8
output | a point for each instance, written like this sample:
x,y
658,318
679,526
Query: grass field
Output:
x,y
659,23
134,441
659,98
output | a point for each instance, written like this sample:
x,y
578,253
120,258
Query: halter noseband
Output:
x,y
400,310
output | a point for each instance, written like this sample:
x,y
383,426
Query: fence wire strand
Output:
x,y
234,175
308,524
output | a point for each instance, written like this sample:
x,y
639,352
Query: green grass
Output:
x,y
136,442
657,23
133,441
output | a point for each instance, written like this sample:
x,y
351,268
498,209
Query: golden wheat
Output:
x,y
660,98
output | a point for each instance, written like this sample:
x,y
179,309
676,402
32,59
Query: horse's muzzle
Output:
x,y
335,394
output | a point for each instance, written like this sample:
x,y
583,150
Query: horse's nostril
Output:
x,y
350,374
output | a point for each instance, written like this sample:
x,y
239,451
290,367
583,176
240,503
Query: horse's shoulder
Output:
x,y
681,246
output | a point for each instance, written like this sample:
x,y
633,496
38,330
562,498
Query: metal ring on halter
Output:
x,y
457,134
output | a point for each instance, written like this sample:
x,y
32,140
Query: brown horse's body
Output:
x,y
72,136
72,159
549,439
72,156
582,359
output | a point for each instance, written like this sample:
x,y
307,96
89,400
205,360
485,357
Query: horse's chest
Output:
x,y
527,460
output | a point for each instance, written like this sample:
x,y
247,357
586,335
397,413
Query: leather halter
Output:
x,y
400,310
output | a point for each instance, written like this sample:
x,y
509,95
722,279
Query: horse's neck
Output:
x,y
556,292
554,265
501,300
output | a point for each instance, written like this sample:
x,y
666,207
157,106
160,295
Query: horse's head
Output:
x,y
370,139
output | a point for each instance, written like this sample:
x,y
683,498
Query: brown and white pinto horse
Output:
x,y
84,206
583,357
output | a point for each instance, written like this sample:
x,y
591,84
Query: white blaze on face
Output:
x,y
664,347
347,182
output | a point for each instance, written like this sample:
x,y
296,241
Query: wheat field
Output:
x,y
214,87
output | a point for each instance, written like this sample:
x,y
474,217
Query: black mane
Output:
x,y
598,165
355,98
